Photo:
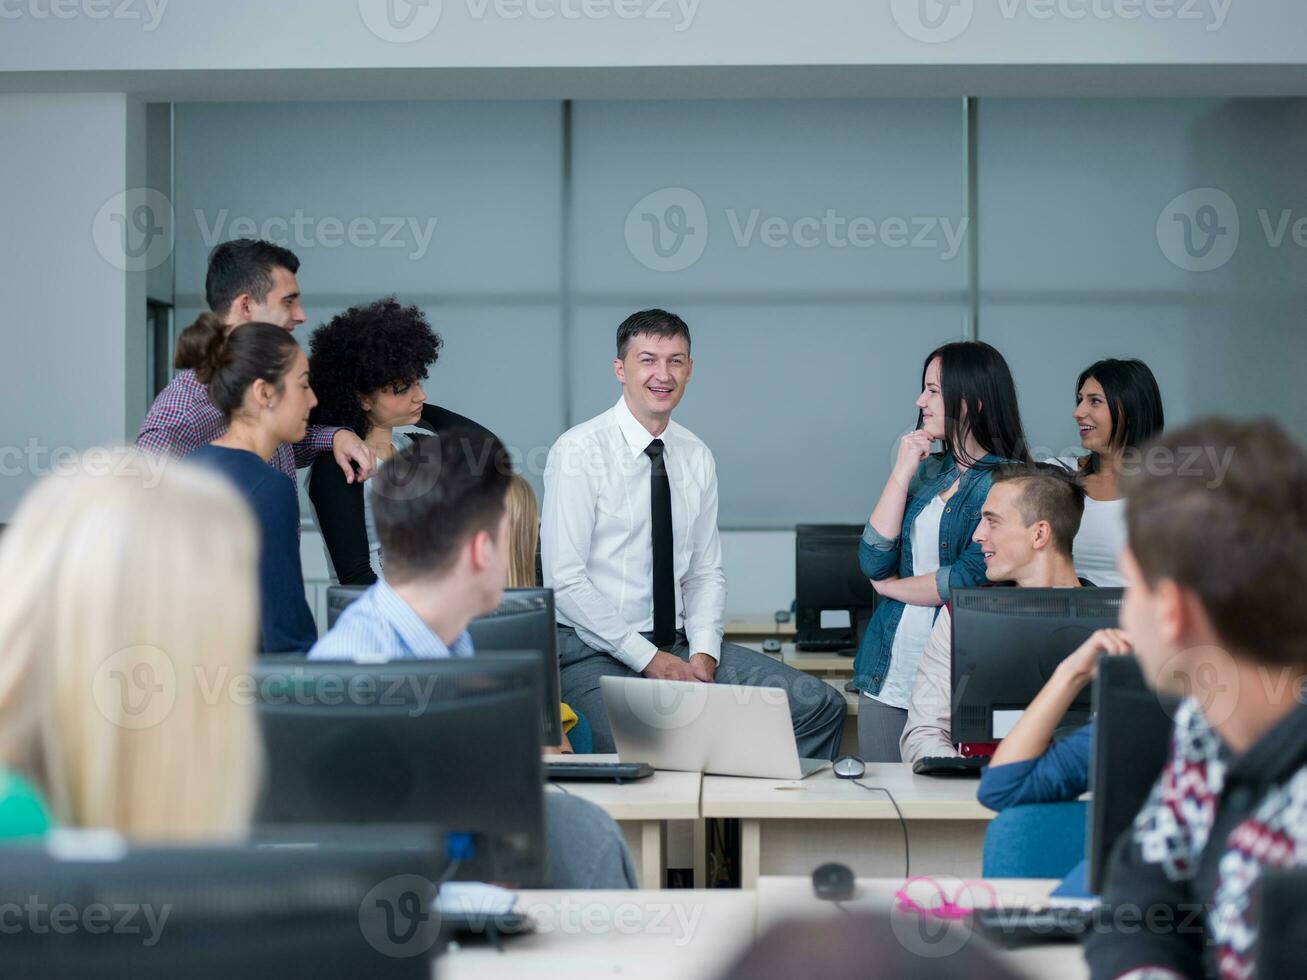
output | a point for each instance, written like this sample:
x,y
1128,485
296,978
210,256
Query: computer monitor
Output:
x,y
833,599
411,742
1282,922
523,621
1132,735
1006,644
88,904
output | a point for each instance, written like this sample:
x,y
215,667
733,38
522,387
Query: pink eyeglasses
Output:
x,y
931,898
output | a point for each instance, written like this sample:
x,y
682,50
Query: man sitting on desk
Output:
x,y
630,546
1027,525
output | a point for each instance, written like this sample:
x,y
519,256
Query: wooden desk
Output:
x,y
690,935
780,899
756,627
791,826
642,809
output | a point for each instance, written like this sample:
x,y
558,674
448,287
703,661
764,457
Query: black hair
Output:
x,y
654,323
435,494
229,361
1133,400
372,346
1049,492
244,265
975,374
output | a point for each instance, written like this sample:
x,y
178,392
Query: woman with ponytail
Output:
x,y
258,377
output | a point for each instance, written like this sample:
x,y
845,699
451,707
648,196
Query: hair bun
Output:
x,y
200,346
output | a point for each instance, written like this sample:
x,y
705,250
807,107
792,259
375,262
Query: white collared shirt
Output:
x,y
596,536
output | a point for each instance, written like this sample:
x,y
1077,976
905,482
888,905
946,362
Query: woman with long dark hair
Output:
x,y
258,377
917,545
1118,409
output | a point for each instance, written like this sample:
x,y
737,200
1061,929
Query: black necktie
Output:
x,y
664,580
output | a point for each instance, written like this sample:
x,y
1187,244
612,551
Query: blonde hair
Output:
x,y
523,533
129,606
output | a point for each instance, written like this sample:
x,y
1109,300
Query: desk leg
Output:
x,y
701,853
750,853
649,863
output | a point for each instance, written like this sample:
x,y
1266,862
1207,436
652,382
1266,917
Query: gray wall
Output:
x,y
808,346
74,315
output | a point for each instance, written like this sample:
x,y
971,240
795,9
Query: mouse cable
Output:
x,y
903,824
840,906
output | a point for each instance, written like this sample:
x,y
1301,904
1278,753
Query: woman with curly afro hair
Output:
x,y
367,367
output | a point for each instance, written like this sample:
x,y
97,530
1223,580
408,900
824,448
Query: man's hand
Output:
x,y
349,451
704,667
1078,669
665,667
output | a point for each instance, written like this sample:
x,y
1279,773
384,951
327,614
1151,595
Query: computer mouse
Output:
x,y
849,767
771,645
833,882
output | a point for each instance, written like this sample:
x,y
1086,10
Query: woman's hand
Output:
x,y
913,448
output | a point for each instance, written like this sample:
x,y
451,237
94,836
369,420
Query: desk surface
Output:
x,y
785,898
757,624
690,935
823,796
662,796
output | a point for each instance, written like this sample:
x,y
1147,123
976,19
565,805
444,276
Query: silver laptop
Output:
x,y
719,729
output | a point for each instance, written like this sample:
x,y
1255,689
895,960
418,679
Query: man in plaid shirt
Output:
x,y
248,281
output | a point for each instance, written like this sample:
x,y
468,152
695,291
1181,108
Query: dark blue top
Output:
x,y
285,622
961,565
1060,774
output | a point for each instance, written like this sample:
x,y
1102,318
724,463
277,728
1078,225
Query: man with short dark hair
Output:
x,y
629,543
1027,525
441,511
1216,575
248,281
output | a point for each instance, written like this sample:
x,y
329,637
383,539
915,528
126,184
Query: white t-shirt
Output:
x,y
1101,538
915,626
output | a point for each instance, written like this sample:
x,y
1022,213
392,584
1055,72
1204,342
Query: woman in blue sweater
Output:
x,y
917,545
259,379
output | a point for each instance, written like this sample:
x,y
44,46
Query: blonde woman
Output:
x,y
129,606
524,536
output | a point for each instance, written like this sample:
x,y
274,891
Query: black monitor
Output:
x,y
1132,735
411,742
86,904
833,599
523,621
1006,644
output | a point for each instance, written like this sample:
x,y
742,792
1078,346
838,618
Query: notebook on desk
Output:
x,y
716,729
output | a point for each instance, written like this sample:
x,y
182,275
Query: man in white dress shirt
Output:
x,y
629,544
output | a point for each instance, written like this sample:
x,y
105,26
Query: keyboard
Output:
x,y
613,772
1026,927
950,766
826,645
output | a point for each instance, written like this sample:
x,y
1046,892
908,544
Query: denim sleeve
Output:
x,y
1060,774
965,573
878,556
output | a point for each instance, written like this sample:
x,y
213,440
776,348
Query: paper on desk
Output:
x,y
474,898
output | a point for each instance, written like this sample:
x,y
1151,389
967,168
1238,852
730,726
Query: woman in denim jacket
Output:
x,y
917,545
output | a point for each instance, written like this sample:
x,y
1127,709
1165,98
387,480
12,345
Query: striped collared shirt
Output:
x,y
379,625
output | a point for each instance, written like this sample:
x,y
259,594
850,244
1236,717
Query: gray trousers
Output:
x,y
816,708
879,729
586,849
